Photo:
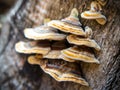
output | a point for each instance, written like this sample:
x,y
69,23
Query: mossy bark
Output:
x,y
105,76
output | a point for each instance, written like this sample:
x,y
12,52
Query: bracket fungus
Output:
x,y
83,41
80,53
32,47
43,33
35,59
94,13
58,53
60,70
71,24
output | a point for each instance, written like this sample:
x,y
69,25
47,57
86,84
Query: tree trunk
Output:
x,y
31,13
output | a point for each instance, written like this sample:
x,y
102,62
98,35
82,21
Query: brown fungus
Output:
x,y
60,58
94,13
70,24
81,54
32,47
43,33
60,70
35,59
83,41
64,71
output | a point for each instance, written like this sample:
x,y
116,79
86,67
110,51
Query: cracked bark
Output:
x,y
105,76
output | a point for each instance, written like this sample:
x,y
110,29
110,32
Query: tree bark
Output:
x,y
31,13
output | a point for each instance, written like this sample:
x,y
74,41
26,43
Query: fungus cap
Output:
x,y
73,18
73,39
31,47
101,19
67,77
70,24
94,13
81,54
34,59
43,33
66,27
64,71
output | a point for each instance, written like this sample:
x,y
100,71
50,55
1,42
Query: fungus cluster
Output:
x,y
95,12
58,46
